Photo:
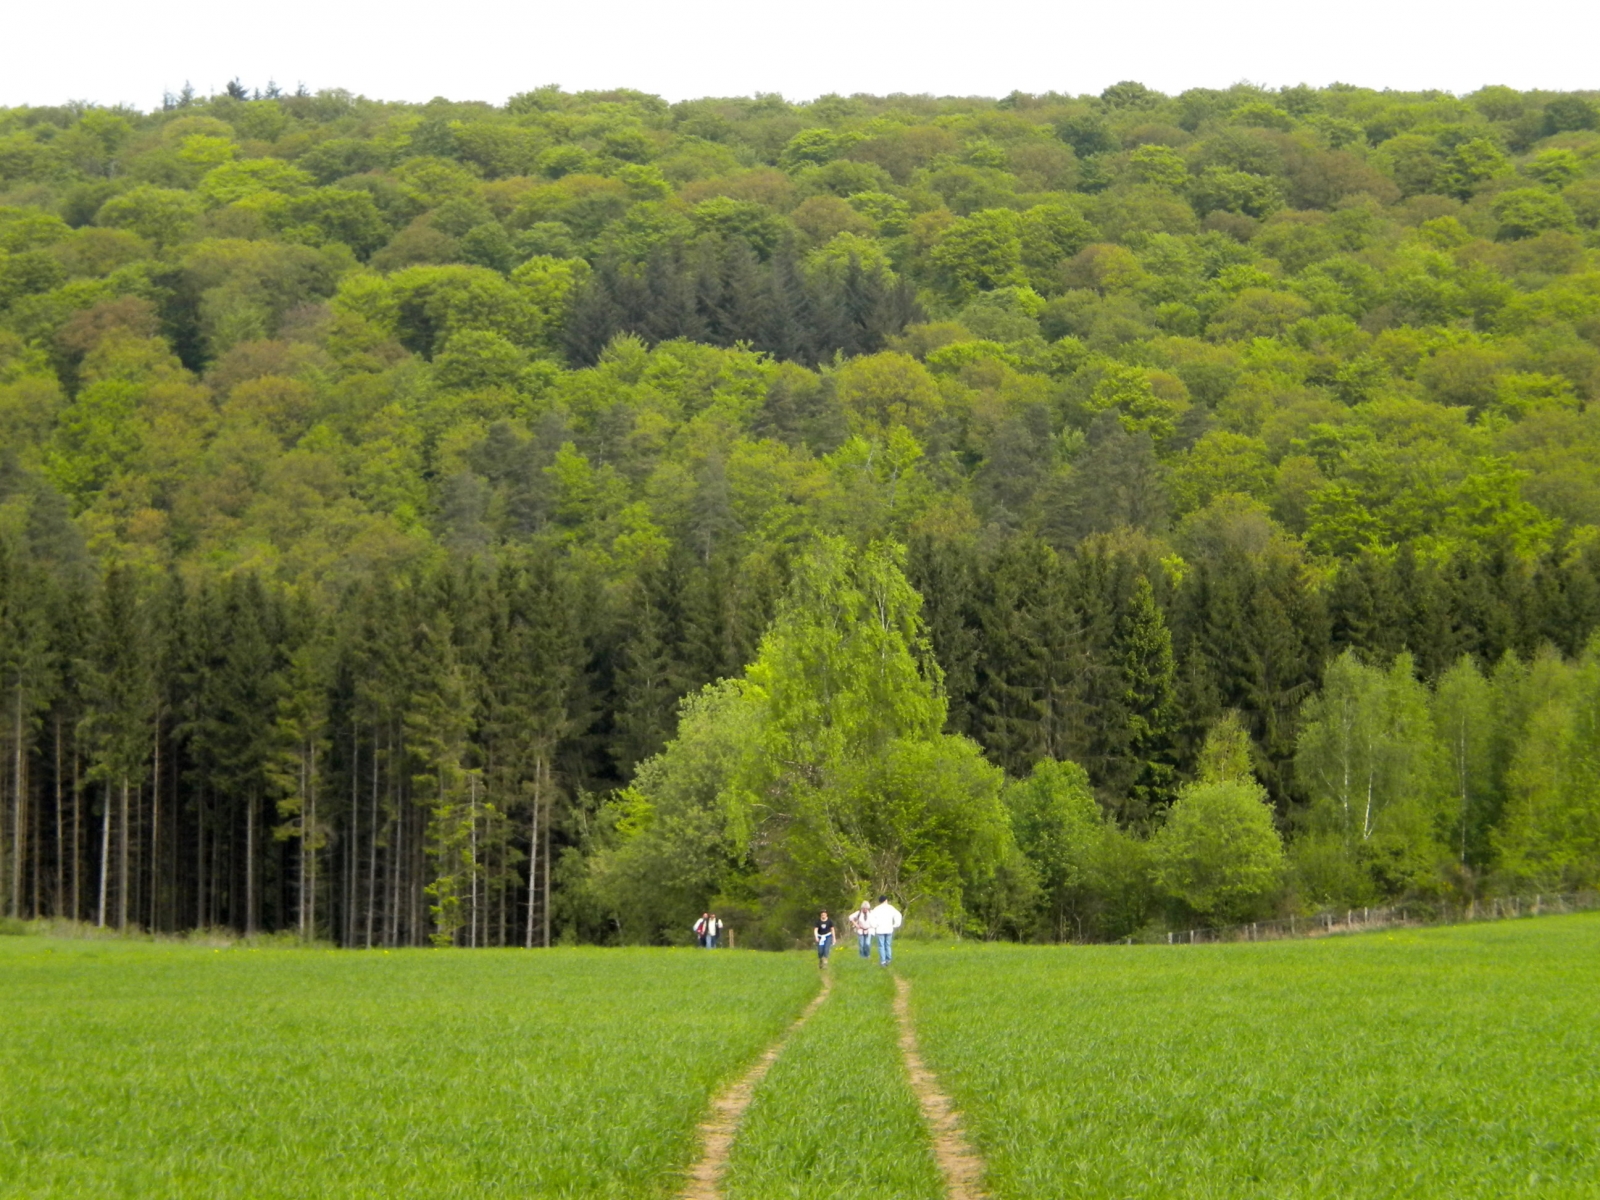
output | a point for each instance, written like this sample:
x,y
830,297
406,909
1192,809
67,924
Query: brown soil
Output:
x,y
958,1161
727,1110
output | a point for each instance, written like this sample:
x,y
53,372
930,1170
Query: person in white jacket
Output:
x,y
882,921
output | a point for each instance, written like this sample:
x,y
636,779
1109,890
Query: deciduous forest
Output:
x,y
499,525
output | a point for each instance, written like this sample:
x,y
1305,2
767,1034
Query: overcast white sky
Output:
x,y
489,49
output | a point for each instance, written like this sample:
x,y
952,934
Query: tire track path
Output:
x,y
717,1131
959,1163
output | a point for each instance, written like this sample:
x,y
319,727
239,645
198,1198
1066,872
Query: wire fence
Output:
x,y
1330,922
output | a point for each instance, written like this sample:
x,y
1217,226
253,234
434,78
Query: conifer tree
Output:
x,y
1144,651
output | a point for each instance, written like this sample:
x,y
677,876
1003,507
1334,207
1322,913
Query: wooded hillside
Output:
x,y
375,479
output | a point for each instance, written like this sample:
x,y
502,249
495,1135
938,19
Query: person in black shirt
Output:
x,y
824,936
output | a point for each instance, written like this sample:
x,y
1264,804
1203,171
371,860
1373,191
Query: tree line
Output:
x,y
463,753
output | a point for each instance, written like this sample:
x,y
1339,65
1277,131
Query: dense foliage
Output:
x,y
376,478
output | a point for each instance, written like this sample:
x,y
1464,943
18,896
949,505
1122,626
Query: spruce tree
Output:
x,y
1144,651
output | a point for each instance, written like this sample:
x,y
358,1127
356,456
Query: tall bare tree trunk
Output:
x,y
311,851
155,833
250,866
394,861
372,844
352,847
300,855
105,856
122,859
18,803
77,835
35,846
472,937
200,857
549,819
61,843
533,857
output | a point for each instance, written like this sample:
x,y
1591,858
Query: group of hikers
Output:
x,y
868,922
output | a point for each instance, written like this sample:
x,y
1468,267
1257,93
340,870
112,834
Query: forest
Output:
x,y
480,524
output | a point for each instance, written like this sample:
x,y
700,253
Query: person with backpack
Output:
x,y
713,930
883,921
824,935
860,921
700,929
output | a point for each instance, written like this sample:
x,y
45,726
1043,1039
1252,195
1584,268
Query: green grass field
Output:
x,y
1442,1063
1450,1063
142,1070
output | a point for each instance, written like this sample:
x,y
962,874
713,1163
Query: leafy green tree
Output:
x,y
980,253
1463,714
1550,835
1368,758
1057,824
1526,212
1226,756
826,768
162,215
1219,854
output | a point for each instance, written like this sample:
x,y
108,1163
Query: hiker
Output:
x,y
883,921
861,921
713,930
824,936
700,929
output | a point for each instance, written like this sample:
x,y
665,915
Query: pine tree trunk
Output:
x,y
472,936
394,860
533,858
35,844
311,848
122,858
250,867
545,912
134,848
61,845
352,846
77,837
155,833
18,803
105,857
372,846
200,857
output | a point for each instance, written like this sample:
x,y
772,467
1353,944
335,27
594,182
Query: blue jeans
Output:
x,y
824,946
866,944
885,949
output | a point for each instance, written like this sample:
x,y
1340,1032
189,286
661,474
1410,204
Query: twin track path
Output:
x,y
727,1110
958,1162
